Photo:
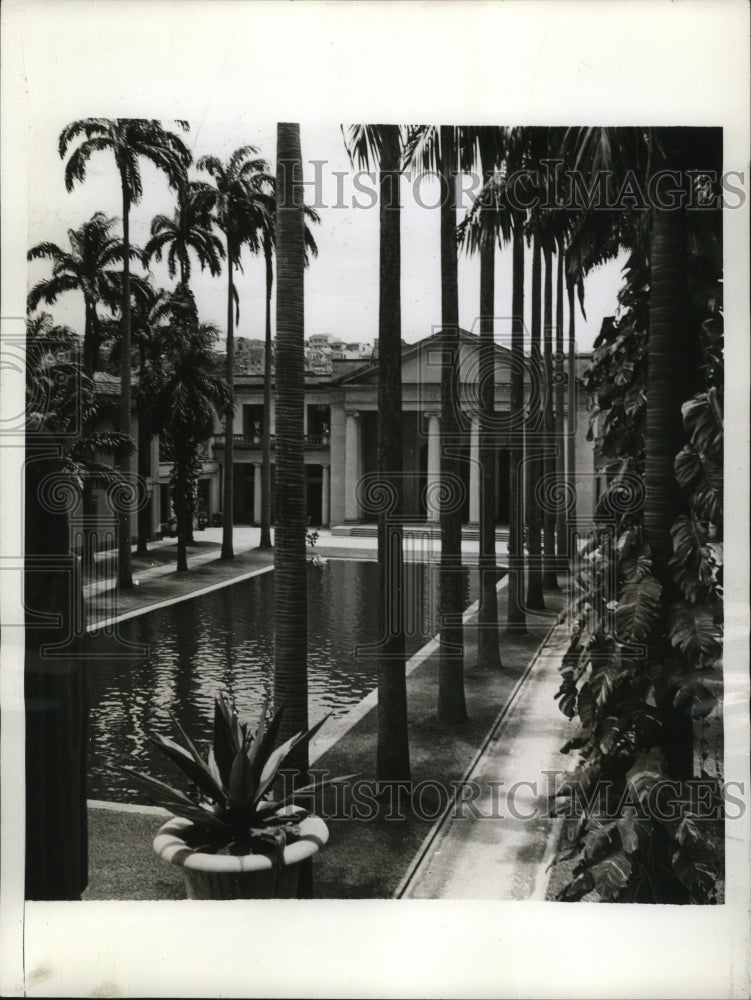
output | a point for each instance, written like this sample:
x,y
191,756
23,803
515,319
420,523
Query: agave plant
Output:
x,y
232,810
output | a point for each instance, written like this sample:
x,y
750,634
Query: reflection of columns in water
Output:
x,y
257,493
352,466
474,472
434,466
325,497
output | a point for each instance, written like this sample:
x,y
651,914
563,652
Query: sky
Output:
x,y
341,284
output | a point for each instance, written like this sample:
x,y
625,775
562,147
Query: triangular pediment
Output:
x,y
421,363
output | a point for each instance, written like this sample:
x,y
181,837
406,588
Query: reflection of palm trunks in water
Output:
x,y
224,639
56,697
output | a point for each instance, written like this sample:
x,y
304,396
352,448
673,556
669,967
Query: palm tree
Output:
x,y
290,574
488,652
268,257
481,231
382,144
516,141
186,397
237,201
267,224
535,598
549,579
572,409
128,139
561,528
86,268
613,152
433,148
149,308
187,229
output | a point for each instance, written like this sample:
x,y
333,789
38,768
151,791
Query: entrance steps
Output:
x,y
470,532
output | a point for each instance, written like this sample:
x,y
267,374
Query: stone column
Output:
x,y
352,466
325,498
156,518
256,492
434,465
474,472
214,493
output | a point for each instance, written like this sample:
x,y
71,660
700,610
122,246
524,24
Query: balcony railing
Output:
x,y
254,440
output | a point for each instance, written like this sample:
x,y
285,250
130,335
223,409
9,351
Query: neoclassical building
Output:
x,y
341,440
341,443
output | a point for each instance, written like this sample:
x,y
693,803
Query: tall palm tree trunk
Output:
x,y
451,702
144,441
89,352
181,510
265,542
561,521
393,763
667,371
515,616
189,496
664,435
549,578
228,502
488,652
90,361
572,415
533,466
125,572
290,575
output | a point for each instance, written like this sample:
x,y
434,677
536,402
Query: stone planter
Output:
x,y
227,876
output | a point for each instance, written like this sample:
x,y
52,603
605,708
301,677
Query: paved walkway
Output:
x,y
499,844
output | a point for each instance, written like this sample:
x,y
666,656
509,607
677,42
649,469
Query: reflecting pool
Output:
x,y
224,640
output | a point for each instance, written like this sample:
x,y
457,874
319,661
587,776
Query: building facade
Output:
x,y
340,424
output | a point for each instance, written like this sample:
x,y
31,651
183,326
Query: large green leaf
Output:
x,y
697,697
634,832
696,561
694,630
701,871
701,477
573,891
702,418
648,769
585,705
637,564
638,609
612,875
599,842
605,670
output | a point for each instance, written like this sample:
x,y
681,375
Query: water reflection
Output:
x,y
224,641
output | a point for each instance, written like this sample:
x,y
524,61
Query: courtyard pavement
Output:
x,y
493,839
